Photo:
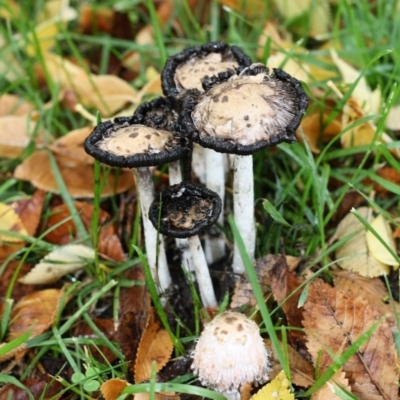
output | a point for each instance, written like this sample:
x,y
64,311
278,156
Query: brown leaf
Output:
x,y
16,132
97,19
36,311
302,372
326,392
45,389
110,247
334,320
371,289
10,222
79,180
155,346
30,210
112,388
10,104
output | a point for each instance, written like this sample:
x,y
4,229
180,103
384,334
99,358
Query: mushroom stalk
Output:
x,y
175,177
202,272
215,180
243,208
145,187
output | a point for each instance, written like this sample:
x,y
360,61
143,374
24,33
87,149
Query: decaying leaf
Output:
x,y
45,388
112,388
16,132
355,253
371,289
79,180
10,104
301,371
10,222
375,247
155,345
393,119
333,320
37,312
278,389
327,391
62,261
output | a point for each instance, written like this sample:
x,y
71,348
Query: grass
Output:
x,y
295,181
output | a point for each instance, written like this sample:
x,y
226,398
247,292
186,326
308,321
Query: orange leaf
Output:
x,y
112,388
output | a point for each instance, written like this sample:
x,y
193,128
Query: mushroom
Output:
x,y
187,70
240,115
182,211
128,142
229,353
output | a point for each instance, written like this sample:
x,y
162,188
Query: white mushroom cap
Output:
x,y
230,353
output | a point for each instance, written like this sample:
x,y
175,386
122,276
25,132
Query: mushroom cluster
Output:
x,y
215,97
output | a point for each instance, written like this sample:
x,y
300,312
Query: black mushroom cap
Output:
x,y
186,69
184,209
244,112
136,141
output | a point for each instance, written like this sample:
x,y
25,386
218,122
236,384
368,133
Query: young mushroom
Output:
x,y
229,353
129,143
187,70
182,211
240,115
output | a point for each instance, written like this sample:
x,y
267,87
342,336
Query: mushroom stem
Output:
x,y
243,208
215,180
145,188
202,272
175,177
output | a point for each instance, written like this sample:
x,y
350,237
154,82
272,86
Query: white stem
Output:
x,y
215,180
175,177
243,208
235,395
202,273
145,188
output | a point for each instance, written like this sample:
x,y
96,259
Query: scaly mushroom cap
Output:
x,y
230,353
187,69
186,209
246,112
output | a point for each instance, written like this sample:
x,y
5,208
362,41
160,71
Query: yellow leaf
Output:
x,y
10,221
277,389
64,260
376,248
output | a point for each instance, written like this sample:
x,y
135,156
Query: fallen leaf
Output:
x,y
30,210
10,222
155,346
278,389
97,19
355,253
10,104
16,132
36,312
112,388
79,180
62,261
333,321
375,247
45,388
291,65
327,391
392,121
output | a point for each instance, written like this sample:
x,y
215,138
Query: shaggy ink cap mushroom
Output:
x,y
186,69
186,209
229,353
130,143
245,112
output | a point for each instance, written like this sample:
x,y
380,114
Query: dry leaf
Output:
x,y
10,104
375,247
11,222
371,289
291,65
112,388
37,312
301,371
16,132
327,391
250,8
79,180
355,253
62,261
277,389
45,388
29,210
155,345
333,321
99,19
105,93
393,119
